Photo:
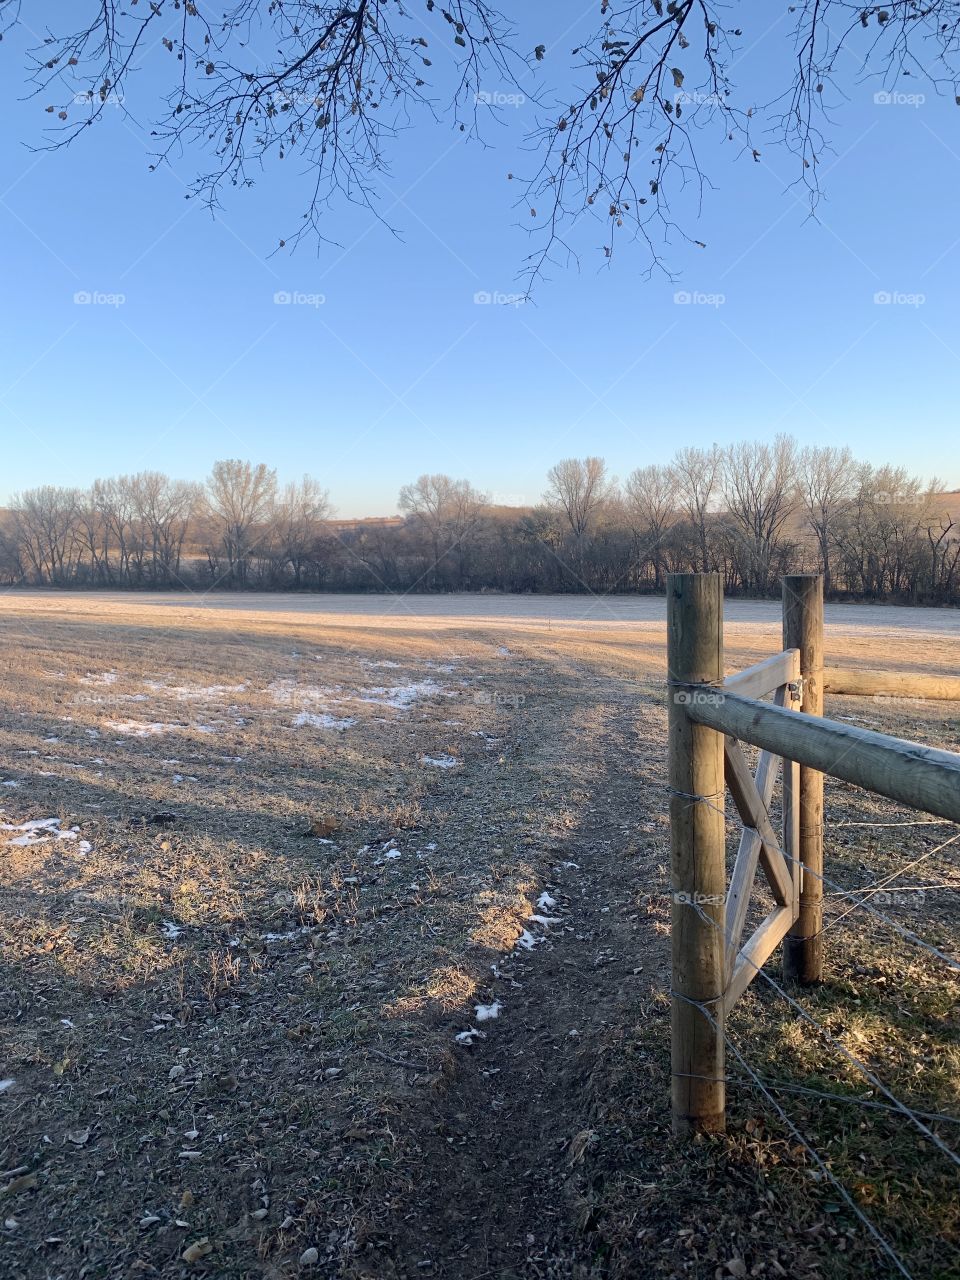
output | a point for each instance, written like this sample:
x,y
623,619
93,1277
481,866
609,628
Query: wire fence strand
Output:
x,y
821,1164
841,1049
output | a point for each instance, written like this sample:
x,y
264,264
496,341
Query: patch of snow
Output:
x,y
39,830
545,902
392,853
322,721
10,782
440,762
287,692
6,1084
286,937
32,829
385,663
546,921
403,696
487,1012
150,729
171,930
527,940
198,692
468,1037
141,729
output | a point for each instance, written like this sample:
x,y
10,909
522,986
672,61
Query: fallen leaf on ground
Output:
x,y
25,1182
199,1249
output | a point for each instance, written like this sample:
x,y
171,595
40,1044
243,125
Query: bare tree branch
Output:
x,y
331,85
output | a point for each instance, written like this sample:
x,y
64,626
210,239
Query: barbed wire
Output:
x,y
897,888
879,885
842,890
919,822
841,1049
783,1086
817,1158
864,905
871,1103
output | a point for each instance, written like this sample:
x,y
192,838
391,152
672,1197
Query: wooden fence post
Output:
x,y
695,657
803,630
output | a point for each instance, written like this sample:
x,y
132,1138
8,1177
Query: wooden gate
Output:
x,y
710,717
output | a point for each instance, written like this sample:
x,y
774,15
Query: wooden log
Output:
x,y
803,630
766,676
921,777
891,685
695,658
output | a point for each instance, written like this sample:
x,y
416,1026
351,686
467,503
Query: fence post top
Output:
x,y
802,581
678,581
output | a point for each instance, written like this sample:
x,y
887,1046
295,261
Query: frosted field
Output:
x,y
339,925
513,609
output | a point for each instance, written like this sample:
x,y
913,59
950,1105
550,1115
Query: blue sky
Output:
x,y
399,370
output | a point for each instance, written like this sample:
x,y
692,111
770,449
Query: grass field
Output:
x,y
342,950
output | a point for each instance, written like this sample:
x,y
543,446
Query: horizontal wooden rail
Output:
x,y
889,684
922,777
765,677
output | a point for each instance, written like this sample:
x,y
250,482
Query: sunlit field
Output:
x,y
337,943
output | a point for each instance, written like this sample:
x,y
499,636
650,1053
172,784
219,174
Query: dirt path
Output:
x,y
504,1199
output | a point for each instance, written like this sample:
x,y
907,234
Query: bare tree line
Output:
x,y
751,510
236,530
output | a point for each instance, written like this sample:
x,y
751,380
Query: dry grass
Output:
x,y
232,1019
